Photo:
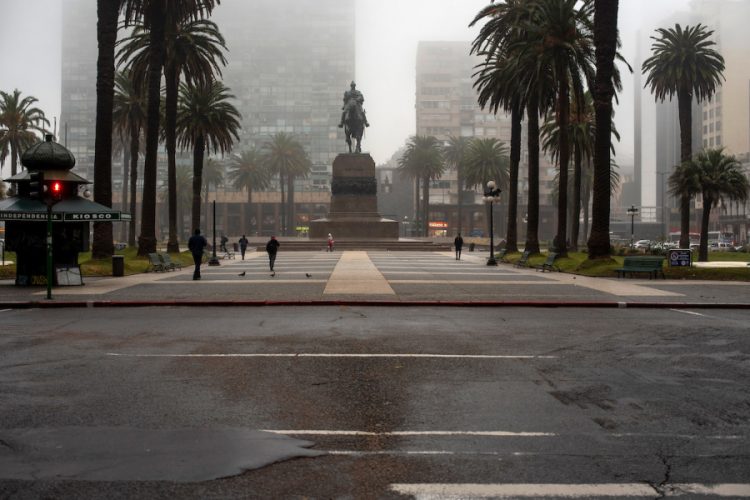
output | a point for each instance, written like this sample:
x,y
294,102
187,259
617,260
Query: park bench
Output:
x,y
155,264
549,264
643,264
524,260
501,254
167,262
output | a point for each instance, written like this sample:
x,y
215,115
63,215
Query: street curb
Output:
x,y
368,303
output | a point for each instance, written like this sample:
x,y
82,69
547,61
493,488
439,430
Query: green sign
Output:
x,y
66,217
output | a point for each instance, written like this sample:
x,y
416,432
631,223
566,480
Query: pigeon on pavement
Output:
x,y
241,274
273,274
308,275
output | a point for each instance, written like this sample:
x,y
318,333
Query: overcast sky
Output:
x,y
387,36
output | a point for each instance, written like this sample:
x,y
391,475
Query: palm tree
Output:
x,y
454,153
129,116
19,120
505,79
184,179
284,156
248,171
683,63
205,120
486,160
422,159
154,14
562,43
717,177
194,48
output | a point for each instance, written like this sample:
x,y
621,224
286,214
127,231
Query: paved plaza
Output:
x,y
384,277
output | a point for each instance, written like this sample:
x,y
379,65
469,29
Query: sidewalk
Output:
x,y
378,278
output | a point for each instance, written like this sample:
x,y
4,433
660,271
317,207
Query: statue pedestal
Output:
x,y
354,203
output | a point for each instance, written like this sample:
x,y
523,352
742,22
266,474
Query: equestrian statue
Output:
x,y
353,117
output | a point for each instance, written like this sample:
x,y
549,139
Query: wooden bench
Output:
x,y
167,262
653,265
501,254
549,264
524,260
155,264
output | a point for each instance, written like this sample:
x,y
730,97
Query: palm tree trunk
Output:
x,y
605,41
124,192
249,210
199,150
684,104
135,133
532,226
282,228
170,111
426,205
459,199
417,206
563,109
703,247
147,238
575,224
13,162
291,223
511,236
585,201
106,30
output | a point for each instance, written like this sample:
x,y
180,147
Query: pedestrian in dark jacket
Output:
x,y
243,246
272,247
196,244
458,242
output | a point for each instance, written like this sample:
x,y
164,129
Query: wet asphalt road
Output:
x,y
571,396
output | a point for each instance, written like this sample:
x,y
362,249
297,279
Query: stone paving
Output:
x,y
378,276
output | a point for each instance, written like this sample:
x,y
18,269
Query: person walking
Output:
x,y
243,246
330,242
272,247
458,242
197,244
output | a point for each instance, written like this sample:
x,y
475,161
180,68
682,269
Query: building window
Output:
x,y
718,140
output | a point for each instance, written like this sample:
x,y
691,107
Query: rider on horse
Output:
x,y
352,97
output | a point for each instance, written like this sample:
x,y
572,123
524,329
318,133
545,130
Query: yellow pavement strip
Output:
x,y
356,274
614,287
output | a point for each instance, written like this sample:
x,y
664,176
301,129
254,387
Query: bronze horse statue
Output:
x,y
354,124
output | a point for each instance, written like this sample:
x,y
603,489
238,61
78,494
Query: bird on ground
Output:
x,y
241,274
308,275
273,274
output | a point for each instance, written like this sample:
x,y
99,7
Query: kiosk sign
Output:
x,y
680,257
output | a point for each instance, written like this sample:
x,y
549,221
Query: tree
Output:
x,y
129,116
562,43
194,48
248,171
423,159
154,14
486,160
717,177
684,64
205,120
284,156
516,83
184,179
19,122
454,153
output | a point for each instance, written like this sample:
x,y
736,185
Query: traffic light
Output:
x,y
56,190
36,185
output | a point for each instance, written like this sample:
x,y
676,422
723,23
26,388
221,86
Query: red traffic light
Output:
x,y
56,189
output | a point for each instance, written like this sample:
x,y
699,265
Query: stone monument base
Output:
x,y
354,213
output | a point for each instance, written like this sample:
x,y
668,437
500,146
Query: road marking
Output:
x,y
356,274
5,310
520,490
411,433
411,452
207,281
687,312
476,282
329,355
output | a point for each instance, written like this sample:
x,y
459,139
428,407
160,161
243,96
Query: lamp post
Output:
x,y
491,195
632,211
214,261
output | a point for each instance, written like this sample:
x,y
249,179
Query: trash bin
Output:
x,y
471,247
118,265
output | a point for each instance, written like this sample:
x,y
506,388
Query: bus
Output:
x,y
713,237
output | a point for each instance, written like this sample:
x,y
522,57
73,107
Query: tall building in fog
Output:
x,y
77,128
446,105
290,62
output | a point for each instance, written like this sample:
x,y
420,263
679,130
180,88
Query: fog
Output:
x,y
387,32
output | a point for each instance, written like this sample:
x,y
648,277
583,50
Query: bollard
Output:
x,y
118,265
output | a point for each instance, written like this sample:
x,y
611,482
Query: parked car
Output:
x,y
643,244
721,247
